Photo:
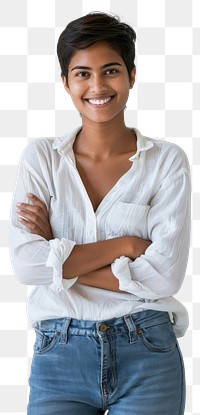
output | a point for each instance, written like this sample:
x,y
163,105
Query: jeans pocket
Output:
x,y
159,337
45,340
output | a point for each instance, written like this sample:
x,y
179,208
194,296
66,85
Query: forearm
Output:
x,y
91,257
101,278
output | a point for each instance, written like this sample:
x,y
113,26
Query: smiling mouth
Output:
x,y
99,102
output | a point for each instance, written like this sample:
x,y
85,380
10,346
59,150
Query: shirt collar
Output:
x,y
143,144
64,143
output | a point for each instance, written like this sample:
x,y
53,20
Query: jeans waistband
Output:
x,y
130,323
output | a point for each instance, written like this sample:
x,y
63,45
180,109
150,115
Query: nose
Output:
x,y
98,84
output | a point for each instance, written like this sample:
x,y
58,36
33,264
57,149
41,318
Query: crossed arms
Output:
x,y
91,262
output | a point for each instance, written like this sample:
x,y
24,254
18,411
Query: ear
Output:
x,y
132,77
65,83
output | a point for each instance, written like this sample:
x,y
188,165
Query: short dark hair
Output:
x,y
91,28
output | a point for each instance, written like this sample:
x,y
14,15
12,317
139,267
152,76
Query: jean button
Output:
x,y
103,327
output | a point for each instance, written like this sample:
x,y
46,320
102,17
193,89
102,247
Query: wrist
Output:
x,y
128,246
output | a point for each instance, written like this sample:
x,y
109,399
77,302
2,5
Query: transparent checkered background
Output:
x,y
164,103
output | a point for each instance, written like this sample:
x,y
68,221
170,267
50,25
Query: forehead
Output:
x,y
96,55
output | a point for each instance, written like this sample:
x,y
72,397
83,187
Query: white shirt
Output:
x,y
151,201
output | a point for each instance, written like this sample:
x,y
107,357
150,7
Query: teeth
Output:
x,y
99,101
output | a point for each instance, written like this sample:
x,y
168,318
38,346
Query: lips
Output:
x,y
99,102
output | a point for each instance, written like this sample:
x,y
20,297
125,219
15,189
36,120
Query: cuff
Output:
x,y
121,270
59,252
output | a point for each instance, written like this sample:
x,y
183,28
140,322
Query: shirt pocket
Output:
x,y
128,219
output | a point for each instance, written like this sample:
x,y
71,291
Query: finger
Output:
x,y
32,209
44,231
32,226
36,201
38,220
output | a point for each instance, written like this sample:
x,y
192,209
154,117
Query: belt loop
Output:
x,y
131,329
64,334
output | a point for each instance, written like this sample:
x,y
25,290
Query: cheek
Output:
x,y
126,93
76,89
77,103
122,89
123,97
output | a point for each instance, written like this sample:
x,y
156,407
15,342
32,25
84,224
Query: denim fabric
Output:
x,y
130,365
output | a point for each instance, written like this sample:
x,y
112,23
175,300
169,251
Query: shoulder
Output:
x,y
173,165
168,154
168,146
37,151
163,161
39,144
49,146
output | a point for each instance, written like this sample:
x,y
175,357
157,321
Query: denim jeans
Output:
x,y
129,365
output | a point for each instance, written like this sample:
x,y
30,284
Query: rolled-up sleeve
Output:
x,y
160,271
35,260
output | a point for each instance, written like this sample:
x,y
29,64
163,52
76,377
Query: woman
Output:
x,y
104,236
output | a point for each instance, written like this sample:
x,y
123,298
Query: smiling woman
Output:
x,y
103,234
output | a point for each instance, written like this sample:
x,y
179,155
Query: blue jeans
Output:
x,y
129,365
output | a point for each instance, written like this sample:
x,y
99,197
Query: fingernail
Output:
x,y
18,204
29,194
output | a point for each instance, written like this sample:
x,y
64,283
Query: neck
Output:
x,y
103,140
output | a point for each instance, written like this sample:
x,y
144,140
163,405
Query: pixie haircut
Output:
x,y
93,27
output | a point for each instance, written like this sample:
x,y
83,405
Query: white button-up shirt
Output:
x,y
151,200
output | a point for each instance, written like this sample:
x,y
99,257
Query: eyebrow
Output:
x,y
101,67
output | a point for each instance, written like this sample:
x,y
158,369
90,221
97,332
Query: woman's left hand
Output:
x,y
35,217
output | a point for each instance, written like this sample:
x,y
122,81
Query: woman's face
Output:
x,y
98,82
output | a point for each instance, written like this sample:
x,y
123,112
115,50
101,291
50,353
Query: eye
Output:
x,y
82,74
111,71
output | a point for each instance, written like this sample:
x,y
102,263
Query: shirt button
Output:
x,y
103,327
139,331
